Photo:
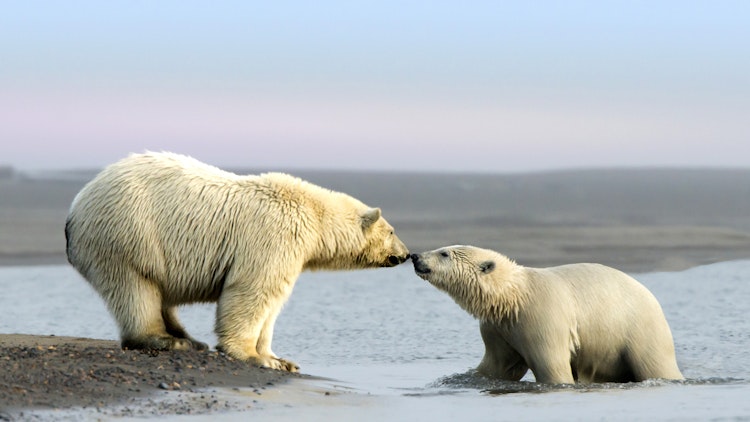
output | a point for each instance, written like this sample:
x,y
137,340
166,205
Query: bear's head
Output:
x,y
382,248
483,282
363,239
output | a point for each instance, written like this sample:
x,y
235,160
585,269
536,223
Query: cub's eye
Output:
x,y
444,254
391,233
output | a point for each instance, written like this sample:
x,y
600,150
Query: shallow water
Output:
x,y
394,347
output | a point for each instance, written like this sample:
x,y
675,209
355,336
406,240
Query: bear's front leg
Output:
x,y
551,365
253,358
241,316
500,360
266,337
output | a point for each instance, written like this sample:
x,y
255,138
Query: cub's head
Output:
x,y
455,268
481,281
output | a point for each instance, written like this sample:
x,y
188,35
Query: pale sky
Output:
x,y
391,85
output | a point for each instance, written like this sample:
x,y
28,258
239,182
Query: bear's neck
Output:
x,y
333,245
501,300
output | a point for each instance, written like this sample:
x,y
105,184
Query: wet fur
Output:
x,y
573,323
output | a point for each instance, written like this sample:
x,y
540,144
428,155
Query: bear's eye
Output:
x,y
444,254
391,233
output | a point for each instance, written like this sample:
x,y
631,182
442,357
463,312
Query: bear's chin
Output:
x,y
392,261
421,269
423,273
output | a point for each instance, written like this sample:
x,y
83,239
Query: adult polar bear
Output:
x,y
157,230
579,322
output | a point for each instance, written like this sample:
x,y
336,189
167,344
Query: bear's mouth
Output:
x,y
421,269
394,260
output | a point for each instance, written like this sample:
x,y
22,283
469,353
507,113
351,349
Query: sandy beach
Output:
x,y
635,220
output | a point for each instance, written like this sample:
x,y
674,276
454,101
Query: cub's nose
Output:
x,y
414,257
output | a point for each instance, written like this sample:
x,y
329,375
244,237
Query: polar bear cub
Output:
x,y
573,323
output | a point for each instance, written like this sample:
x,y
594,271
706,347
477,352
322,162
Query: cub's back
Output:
x,y
600,293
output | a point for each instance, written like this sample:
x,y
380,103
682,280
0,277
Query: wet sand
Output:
x,y
49,373
635,220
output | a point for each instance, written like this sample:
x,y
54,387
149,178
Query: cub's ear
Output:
x,y
369,217
487,267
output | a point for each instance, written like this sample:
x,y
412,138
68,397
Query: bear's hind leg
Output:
x,y
174,328
654,366
136,304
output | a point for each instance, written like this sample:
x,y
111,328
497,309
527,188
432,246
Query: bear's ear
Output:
x,y
369,217
487,267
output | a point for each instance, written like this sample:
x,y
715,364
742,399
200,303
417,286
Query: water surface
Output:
x,y
395,347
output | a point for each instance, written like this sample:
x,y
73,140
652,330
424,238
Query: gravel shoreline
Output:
x,y
46,377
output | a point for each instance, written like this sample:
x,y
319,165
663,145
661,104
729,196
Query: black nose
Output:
x,y
414,257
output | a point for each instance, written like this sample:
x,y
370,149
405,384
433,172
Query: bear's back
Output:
x,y
608,308
597,289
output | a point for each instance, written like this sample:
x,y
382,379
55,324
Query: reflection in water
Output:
x,y
472,380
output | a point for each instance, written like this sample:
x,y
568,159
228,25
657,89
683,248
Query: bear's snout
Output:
x,y
394,260
419,266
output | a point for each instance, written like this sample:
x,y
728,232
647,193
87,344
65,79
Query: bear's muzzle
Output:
x,y
419,266
394,260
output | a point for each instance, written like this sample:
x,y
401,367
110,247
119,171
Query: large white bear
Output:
x,y
579,322
157,230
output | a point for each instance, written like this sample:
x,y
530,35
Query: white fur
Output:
x,y
158,230
579,322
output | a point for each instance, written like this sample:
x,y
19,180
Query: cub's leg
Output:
x,y
174,328
654,360
500,360
551,366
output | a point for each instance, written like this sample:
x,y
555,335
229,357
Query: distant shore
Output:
x,y
631,248
634,220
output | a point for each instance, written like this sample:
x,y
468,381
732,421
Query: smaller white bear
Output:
x,y
573,323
